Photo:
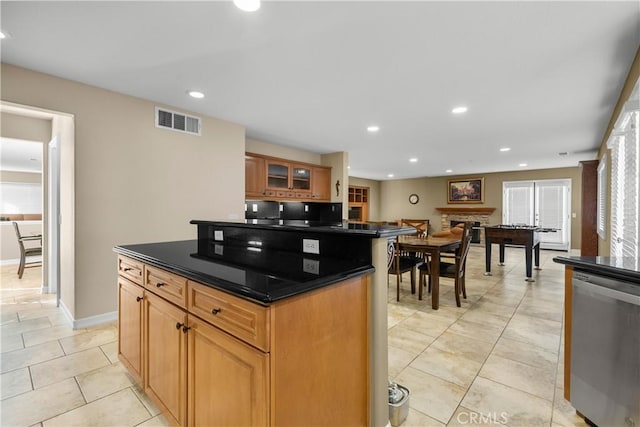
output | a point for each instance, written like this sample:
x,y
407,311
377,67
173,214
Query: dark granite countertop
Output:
x,y
349,228
263,276
624,268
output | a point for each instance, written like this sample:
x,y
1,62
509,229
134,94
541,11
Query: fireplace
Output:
x,y
480,216
475,230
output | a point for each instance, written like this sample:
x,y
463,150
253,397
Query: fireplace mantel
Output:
x,y
468,211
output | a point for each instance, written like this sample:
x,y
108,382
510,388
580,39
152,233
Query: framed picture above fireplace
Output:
x,y
469,190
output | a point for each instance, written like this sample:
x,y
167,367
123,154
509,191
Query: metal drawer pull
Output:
x,y
159,284
127,269
179,325
216,311
185,329
138,299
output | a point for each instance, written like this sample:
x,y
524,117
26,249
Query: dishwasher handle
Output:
x,y
607,291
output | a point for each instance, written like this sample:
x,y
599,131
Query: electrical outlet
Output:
x,y
217,235
311,266
311,246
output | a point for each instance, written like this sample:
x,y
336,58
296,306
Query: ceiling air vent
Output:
x,y
166,119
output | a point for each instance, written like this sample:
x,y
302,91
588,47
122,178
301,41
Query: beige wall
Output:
x,y
604,245
134,183
267,149
338,162
11,176
21,127
394,200
374,196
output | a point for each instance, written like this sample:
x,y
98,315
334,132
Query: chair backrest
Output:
x,y
421,225
461,256
18,235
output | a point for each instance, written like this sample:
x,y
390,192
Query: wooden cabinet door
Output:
x,y
254,176
300,178
228,379
321,181
166,351
277,175
130,297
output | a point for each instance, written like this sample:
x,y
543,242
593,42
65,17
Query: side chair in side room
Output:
x,y
27,251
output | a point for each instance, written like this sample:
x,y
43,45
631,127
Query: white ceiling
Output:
x,y
539,77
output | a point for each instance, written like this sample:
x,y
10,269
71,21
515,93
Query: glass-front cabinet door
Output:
x,y
301,178
277,175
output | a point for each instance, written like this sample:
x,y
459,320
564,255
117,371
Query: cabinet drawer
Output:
x,y
242,319
131,269
167,285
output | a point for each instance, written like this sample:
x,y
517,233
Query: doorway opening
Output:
x,y
540,203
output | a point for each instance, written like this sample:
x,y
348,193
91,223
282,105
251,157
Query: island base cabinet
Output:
x,y
227,379
166,354
130,298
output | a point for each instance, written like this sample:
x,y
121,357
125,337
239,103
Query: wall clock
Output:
x,y
413,199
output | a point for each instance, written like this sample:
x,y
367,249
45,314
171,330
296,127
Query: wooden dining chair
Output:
x,y
421,225
404,262
455,270
27,251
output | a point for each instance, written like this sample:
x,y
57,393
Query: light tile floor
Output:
x,y
495,360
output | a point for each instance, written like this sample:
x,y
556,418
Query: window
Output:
x,y
602,197
20,198
625,157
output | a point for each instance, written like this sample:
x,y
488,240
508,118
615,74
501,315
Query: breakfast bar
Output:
x,y
259,324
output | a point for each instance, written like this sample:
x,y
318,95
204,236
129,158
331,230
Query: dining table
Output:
x,y
433,247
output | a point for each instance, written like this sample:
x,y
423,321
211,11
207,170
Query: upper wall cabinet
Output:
x,y
280,179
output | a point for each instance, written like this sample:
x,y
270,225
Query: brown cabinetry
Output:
x,y
165,378
130,298
220,360
254,176
281,179
321,184
589,200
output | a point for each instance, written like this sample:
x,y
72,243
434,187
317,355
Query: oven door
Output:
x,y
605,350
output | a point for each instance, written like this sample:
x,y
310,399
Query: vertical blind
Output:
x,y
625,188
602,197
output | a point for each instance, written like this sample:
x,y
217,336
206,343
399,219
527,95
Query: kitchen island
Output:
x,y
259,325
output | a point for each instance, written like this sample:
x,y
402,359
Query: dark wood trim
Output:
x,y
448,210
589,226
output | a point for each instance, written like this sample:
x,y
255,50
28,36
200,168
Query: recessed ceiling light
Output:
x,y
522,165
196,94
459,110
449,171
2,35
373,128
348,167
413,160
390,175
505,149
247,5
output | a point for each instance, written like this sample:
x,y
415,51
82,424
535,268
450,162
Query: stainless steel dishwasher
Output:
x,y
605,350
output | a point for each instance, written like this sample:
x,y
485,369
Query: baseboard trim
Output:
x,y
99,319
90,321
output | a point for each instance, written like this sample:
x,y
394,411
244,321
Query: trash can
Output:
x,y
398,404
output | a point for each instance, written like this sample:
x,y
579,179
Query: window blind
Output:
x,y
602,197
625,186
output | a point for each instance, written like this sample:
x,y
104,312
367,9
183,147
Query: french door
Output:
x,y
541,203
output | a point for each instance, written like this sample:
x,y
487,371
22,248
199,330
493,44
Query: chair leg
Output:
x,y
21,266
397,287
429,290
420,284
464,288
413,281
456,290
